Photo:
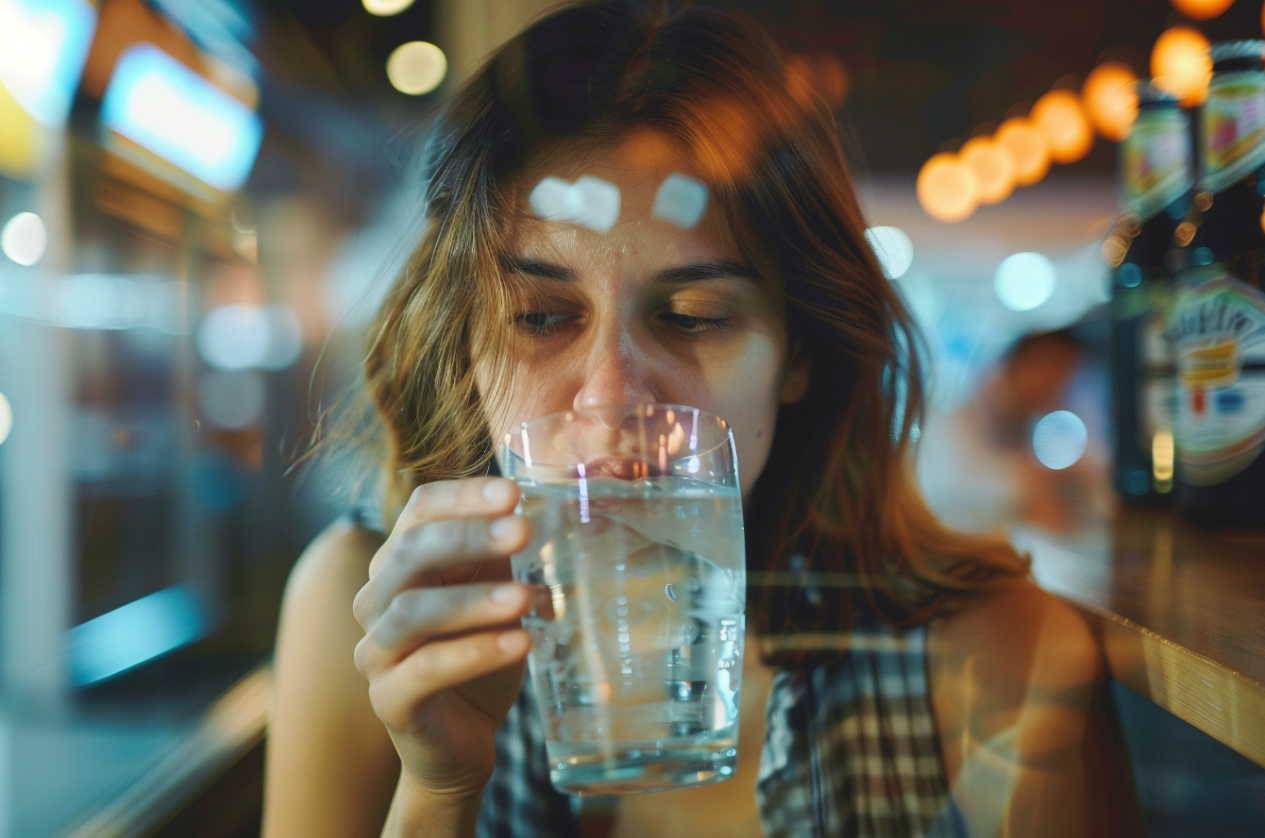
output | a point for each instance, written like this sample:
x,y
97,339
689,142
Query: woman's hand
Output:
x,y
442,649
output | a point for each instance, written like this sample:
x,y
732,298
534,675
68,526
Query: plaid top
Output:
x,y
850,748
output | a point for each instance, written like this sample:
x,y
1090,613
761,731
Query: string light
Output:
x,y
947,189
1061,119
1202,9
1027,149
1110,97
992,167
1181,65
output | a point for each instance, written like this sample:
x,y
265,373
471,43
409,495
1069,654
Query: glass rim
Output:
x,y
628,409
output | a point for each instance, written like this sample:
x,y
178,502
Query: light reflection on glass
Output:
x,y
6,418
232,399
590,202
43,45
1059,439
893,248
165,107
137,632
681,200
1024,281
24,238
416,67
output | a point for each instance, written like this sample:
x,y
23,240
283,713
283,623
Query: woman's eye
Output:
x,y
690,323
541,322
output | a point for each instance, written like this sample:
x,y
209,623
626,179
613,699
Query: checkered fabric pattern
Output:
x,y
519,801
851,747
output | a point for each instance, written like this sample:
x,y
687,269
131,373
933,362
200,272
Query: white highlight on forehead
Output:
x,y
590,202
681,200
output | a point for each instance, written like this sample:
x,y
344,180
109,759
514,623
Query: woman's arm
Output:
x,y
331,767
1023,705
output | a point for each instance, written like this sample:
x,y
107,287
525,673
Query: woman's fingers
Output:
x,y
417,615
487,497
439,665
429,550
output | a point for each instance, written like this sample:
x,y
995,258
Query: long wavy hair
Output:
x,y
838,485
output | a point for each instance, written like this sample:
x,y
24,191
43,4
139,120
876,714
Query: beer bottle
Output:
x,y
1156,175
1217,323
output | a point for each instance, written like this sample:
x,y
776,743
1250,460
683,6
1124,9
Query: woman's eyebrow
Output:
x,y
706,270
532,267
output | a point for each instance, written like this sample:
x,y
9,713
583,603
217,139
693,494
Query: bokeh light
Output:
x,y
24,238
1110,96
893,248
1027,149
680,200
1024,281
1181,65
1061,119
1059,439
416,67
590,201
947,189
386,8
6,418
238,337
1202,9
232,399
994,172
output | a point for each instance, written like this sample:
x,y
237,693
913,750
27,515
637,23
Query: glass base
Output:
x,y
637,771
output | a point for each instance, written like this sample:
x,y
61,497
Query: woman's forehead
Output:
x,y
638,186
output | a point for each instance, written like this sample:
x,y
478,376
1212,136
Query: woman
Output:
x,y
941,694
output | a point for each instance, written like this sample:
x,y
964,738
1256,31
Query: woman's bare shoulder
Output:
x,y
1021,638
331,766
337,559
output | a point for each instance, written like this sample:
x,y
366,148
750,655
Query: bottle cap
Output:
x,y
1149,94
1232,50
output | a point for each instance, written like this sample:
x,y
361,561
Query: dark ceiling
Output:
x,y
925,73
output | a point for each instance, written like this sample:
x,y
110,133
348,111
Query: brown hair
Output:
x,y
838,483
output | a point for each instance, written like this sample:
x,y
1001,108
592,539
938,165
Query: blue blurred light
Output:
x,y
1059,439
680,200
139,631
43,45
165,107
893,248
1024,281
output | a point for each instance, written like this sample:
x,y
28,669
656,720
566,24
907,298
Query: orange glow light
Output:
x,y
1202,9
1110,97
991,165
1060,118
1027,149
1181,65
947,189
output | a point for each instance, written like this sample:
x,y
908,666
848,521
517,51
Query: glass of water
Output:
x,y
636,656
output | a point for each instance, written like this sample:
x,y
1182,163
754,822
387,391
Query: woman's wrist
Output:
x,y
417,811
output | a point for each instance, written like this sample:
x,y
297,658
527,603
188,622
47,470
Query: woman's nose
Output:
x,y
616,372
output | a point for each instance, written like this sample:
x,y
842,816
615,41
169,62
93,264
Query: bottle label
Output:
x,y
1155,165
1155,366
1217,329
1233,123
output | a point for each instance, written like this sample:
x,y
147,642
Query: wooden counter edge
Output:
x,y
1223,703
232,725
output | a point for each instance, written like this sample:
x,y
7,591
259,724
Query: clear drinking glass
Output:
x,y
636,656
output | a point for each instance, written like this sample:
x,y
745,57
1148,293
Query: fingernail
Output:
x,y
497,491
512,642
504,529
505,593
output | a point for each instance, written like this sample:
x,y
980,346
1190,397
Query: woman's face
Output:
x,y
657,307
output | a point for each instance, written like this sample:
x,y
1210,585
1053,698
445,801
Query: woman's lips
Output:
x,y
620,468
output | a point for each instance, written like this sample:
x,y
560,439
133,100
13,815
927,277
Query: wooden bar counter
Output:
x,y
1181,613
